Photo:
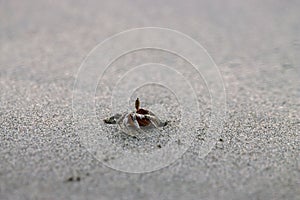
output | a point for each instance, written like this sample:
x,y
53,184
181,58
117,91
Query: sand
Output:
x,y
255,45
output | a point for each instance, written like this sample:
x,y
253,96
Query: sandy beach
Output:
x,y
256,47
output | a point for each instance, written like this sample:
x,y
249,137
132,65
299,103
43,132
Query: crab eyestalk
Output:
x,y
137,104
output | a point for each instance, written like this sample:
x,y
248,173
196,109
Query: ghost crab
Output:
x,y
133,121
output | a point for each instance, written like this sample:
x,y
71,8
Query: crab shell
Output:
x,y
144,121
140,118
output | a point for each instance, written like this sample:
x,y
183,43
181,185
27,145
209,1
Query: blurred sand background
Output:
x,y
256,45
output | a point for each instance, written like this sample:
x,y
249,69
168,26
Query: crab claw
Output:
x,y
112,119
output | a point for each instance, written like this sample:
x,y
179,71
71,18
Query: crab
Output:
x,y
133,122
